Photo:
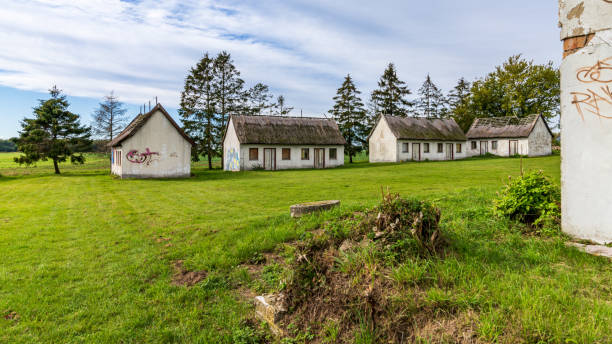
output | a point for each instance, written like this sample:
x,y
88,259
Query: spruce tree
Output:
x,y
458,101
54,133
257,100
228,91
431,102
390,97
349,113
110,118
198,109
280,108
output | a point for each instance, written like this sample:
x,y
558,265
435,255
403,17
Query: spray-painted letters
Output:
x,y
597,98
145,157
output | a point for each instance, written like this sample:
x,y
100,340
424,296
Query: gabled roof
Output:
x,y
140,120
419,128
504,127
286,130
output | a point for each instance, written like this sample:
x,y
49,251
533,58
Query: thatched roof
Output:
x,y
287,130
140,120
418,128
503,127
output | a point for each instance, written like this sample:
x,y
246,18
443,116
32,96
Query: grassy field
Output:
x,y
89,258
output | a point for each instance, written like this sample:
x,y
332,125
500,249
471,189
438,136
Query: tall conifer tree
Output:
x,y
390,97
54,133
458,103
349,113
198,109
431,102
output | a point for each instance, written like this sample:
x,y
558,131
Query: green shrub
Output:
x,y
532,199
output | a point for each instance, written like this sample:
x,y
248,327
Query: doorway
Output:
x,y
484,147
270,159
450,153
513,147
319,158
416,151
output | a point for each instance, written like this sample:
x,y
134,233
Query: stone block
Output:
x,y
299,210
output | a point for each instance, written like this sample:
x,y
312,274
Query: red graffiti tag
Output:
x,y
141,158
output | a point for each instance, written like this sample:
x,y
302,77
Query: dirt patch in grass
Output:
x,y
186,278
457,328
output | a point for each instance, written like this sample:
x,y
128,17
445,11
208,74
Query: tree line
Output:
x,y
213,91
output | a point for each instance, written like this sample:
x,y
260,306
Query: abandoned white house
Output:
x,y
151,146
395,139
508,136
274,143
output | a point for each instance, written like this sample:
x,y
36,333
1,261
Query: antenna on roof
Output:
x,y
149,105
155,100
301,113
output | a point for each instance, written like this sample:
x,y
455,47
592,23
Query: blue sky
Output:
x,y
301,49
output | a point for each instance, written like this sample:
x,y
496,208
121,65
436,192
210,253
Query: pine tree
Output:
x,y
110,118
257,100
198,109
228,89
54,133
431,102
280,108
390,97
349,113
458,101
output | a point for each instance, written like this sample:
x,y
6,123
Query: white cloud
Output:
x,y
299,48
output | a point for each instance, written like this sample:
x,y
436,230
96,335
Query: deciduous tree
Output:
x,y
349,113
53,133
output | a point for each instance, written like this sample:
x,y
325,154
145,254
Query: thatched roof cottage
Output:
x,y
508,136
395,139
151,146
274,143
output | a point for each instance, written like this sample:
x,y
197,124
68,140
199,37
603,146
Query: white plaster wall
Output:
x,y
296,157
231,149
383,144
586,130
581,17
433,150
503,146
540,140
159,135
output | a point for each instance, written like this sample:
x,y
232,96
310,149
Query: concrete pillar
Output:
x,y
586,118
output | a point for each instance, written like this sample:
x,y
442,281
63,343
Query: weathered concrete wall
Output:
x,y
586,118
433,154
383,144
231,148
540,140
157,150
296,157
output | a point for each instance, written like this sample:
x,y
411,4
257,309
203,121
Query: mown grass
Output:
x,y
81,259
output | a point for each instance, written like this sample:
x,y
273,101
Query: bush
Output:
x,y
532,199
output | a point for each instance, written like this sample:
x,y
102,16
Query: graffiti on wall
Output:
x,y
145,157
232,160
597,96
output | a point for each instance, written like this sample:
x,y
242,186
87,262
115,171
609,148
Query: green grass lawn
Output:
x,y
89,258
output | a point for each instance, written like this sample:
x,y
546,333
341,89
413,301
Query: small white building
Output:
x,y
395,139
508,136
152,146
275,143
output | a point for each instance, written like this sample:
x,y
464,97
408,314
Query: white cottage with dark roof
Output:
x,y
395,139
508,136
151,146
275,143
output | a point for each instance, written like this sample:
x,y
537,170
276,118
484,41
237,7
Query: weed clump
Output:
x,y
532,199
340,283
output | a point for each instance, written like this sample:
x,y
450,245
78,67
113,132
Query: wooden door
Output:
x,y
513,147
450,153
319,158
416,151
270,159
484,147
